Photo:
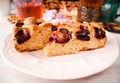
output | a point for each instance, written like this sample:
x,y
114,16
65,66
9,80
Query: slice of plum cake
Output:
x,y
73,37
31,34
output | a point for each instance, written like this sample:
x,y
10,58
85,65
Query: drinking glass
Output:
x,y
28,8
89,10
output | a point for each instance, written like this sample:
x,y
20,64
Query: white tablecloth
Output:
x,y
10,75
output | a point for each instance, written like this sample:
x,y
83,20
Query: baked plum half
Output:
x,y
83,34
62,36
22,36
99,33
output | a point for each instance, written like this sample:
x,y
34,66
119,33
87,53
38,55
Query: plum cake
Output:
x,y
69,38
57,39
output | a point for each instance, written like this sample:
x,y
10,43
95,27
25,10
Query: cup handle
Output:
x,y
117,15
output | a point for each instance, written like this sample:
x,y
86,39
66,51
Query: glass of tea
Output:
x,y
28,8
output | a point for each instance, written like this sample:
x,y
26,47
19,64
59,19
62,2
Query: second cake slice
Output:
x,y
73,37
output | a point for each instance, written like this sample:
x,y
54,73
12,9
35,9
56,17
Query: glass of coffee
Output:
x,y
89,10
28,8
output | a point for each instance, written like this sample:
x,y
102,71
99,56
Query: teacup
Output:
x,y
109,11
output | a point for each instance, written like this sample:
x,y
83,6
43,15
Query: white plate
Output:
x,y
73,66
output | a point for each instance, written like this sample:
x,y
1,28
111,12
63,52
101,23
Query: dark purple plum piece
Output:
x,y
99,33
22,36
